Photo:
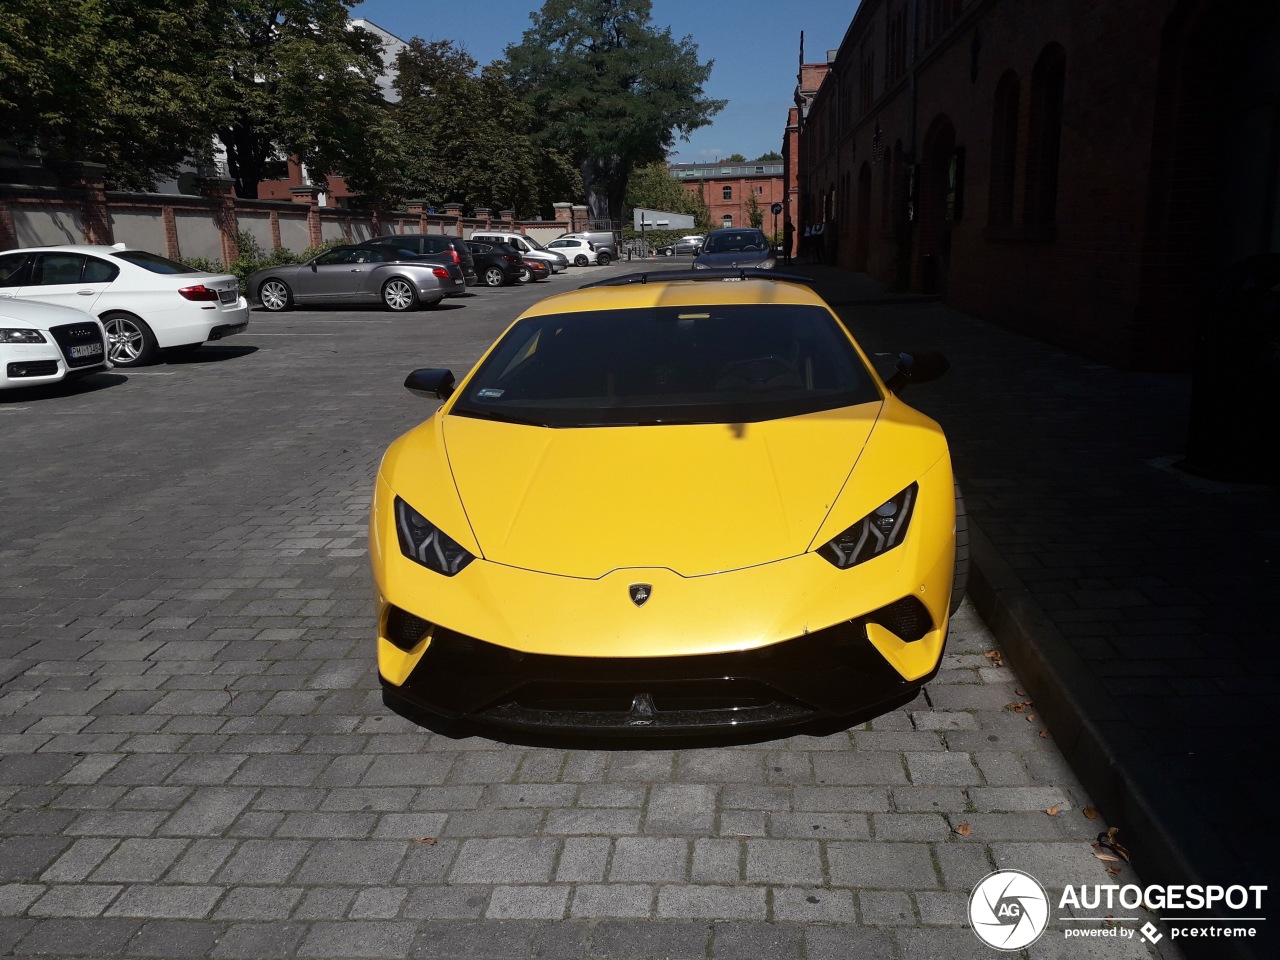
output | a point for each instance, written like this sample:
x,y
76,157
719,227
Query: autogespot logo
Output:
x,y
1008,910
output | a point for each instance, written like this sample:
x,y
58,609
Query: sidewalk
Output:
x,y
1138,604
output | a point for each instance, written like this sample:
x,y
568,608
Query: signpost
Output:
x,y
777,209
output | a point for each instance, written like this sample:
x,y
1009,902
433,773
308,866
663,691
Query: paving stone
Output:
x,y
378,903
593,821
16,897
649,860
258,903
350,861
74,900
264,861
254,941
757,941
513,860
472,939
359,938
583,859
889,866
841,943
820,826
77,937
813,905
681,809
633,939
25,858
136,860
886,908
716,861
208,813
612,900
712,902
528,902
446,903
79,860
166,902
172,938
784,862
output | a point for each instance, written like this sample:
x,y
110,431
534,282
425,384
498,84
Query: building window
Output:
x,y
1004,148
759,191
937,16
1045,134
895,43
866,81
728,218
728,193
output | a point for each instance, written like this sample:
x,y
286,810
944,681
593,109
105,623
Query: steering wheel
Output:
x,y
770,372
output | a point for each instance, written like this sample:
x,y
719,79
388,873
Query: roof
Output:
x,y
655,291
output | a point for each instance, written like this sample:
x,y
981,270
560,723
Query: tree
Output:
x,y
771,156
755,216
734,158
291,78
609,88
466,135
652,186
108,81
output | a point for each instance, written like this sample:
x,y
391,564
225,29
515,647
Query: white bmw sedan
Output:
x,y
43,343
147,303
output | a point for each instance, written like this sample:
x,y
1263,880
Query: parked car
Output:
x,y
683,245
526,246
46,343
497,263
736,247
604,242
532,269
432,245
356,274
533,578
580,252
147,303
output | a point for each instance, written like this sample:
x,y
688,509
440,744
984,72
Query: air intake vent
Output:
x,y
404,629
907,618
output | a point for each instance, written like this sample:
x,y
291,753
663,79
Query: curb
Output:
x,y
1164,832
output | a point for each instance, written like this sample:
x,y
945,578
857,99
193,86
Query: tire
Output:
x,y
603,258
398,295
668,253
960,579
275,295
130,342
580,260
493,277
526,275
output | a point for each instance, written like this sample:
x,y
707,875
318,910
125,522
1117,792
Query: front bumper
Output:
x,y
832,675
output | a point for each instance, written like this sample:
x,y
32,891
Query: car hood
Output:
x,y
36,315
696,499
738,258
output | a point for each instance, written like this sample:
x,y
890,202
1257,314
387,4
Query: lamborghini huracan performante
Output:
x,y
663,504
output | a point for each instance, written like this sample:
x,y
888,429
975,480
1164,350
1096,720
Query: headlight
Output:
x,y
767,264
877,532
9,335
425,543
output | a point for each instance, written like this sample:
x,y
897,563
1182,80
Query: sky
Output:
x,y
755,45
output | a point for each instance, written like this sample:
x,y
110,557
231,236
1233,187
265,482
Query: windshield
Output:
x,y
533,243
740,363
735,241
156,264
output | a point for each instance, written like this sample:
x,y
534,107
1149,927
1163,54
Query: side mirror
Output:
x,y
430,384
917,368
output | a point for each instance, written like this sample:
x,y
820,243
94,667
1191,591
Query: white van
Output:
x,y
528,247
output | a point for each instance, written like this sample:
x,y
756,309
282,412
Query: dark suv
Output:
x,y
431,245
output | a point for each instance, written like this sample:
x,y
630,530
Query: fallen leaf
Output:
x,y
1044,734
1054,810
1030,717
1100,852
963,829
996,658
1018,706
429,841
1020,693
1114,870
1090,812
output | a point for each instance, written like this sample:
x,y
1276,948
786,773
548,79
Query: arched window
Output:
x,y
1004,148
1047,84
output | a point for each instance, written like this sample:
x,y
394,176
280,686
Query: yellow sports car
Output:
x,y
663,504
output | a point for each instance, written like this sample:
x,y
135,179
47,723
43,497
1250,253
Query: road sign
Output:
x,y
776,208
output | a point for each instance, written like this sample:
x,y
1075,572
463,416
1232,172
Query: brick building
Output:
x,y
726,188
808,81
1078,170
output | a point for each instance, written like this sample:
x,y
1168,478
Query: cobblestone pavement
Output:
x,y
194,759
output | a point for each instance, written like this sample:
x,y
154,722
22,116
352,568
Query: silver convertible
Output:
x,y
398,278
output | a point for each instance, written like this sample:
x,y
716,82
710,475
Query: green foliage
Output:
x,y
652,186
117,82
466,137
734,158
755,216
772,156
291,78
610,89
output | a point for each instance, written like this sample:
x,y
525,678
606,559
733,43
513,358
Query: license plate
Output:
x,y
85,350
228,296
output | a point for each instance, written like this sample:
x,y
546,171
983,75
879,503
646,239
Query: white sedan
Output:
x,y
147,303
578,252
42,343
